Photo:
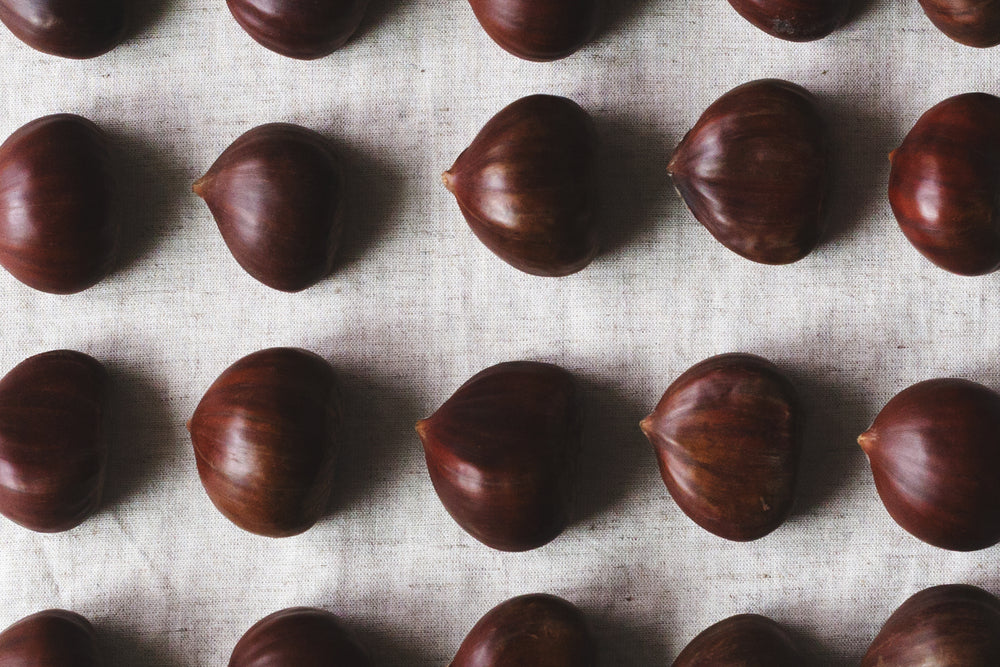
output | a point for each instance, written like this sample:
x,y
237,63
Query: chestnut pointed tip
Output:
x,y
187,425
646,426
448,179
892,155
867,441
198,187
422,427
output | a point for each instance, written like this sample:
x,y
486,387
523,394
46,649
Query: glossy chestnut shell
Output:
x,y
297,29
526,185
266,436
299,637
754,170
934,451
52,638
539,30
943,184
969,22
277,196
747,640
727,435
67,28
795,20
945,626
501,453
538,630
53,440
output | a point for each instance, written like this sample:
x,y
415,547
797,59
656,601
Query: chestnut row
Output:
x,y
950,626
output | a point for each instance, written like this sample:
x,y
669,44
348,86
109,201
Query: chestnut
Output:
x,y
539,30
968,22
299,637
52,638
727,435
747,640
501,453
53,440
535,629
943,184
67,28
277,196
934,451
297,29
795,20
58,229
526,185
755,171
266,436
954,625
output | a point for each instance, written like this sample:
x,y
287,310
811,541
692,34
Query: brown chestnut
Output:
x,y
501,453
58,231
297,29
969,22
727,435
538,630
747,640
943,184
266,435
53,440
795,20
526,185
52,638
539,30
299,637
754,170
934,451
277,196
945,626
67,28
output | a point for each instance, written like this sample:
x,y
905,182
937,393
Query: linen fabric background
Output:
x,y
417,305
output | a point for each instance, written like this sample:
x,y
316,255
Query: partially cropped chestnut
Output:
x,y
501,453
795,20
945,626
755,171
527,185
67,28
52,638
747,640
944,184
266,436
299,637
539,29
58,228
277,195
969,22
934,451
297,29
536,629
53,440
727,435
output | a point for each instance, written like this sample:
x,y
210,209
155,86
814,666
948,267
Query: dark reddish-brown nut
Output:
x,y
527,185
755,171
266,436
539,630
795,20
501,453
945,626
934,451
53,638
277,196
944,184
53,440
969,22
539,30
727,436
747,640
299,637
67,28
58,230
298,29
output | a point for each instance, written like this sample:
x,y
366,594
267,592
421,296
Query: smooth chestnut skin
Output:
x,y
747,640
970,22
52,638
795,20
945,626
75,29
299,637
539,30
266,436
277,196
527,185
934,451
538,630
501,453
727,436
944,184
754,170
58,229
298,29
53,440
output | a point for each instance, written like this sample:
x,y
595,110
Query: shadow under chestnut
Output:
x,y
388,647
625,637
378,15
618,14
144,16
818,653
122,646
